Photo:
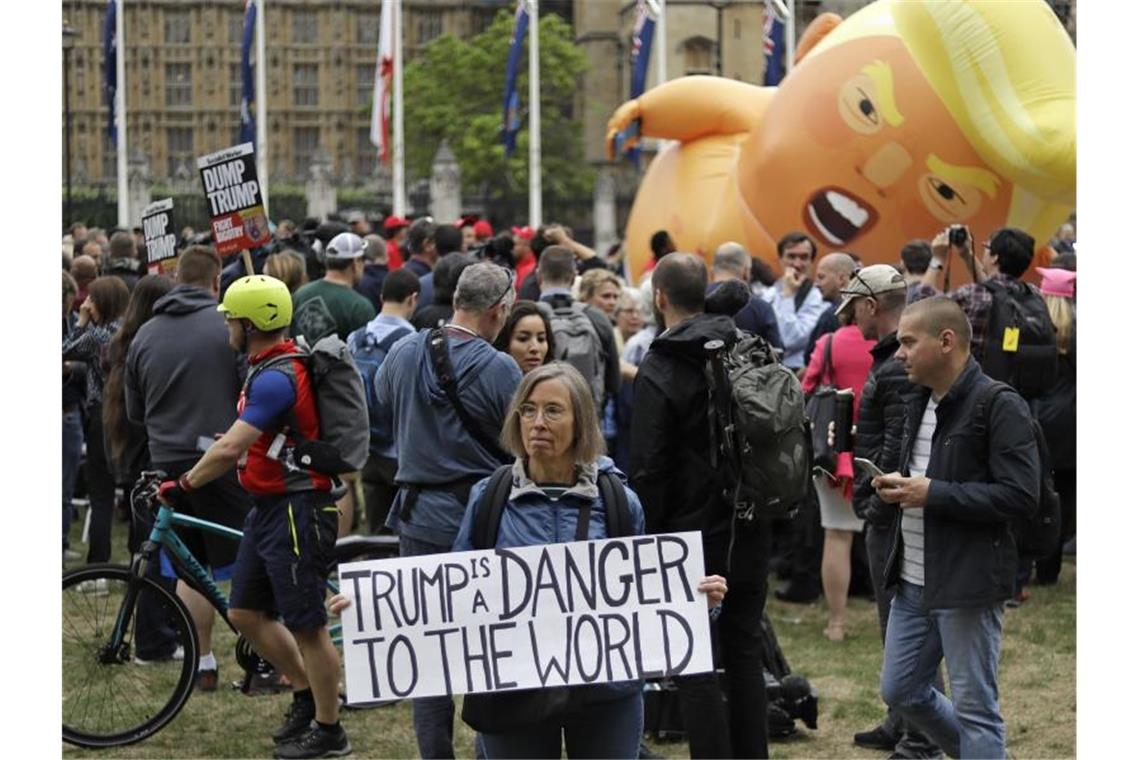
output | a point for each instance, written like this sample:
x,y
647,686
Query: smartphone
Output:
x,y
868,467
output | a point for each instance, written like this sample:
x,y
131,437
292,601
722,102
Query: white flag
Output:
x,y
381,97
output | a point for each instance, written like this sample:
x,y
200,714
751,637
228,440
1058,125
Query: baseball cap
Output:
x,y
483,229
346,245
1058,282
526,233
395,222
869,282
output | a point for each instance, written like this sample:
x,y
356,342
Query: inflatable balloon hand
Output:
x,y
626,114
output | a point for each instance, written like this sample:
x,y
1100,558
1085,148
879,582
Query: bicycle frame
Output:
x,y
163,535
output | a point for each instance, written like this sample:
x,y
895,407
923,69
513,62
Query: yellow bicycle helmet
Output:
x,y
265,301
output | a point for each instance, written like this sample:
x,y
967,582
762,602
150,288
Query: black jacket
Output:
x,y
670,464
880,429
980,480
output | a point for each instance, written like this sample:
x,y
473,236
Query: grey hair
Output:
x,y
732,258
588,441
483,286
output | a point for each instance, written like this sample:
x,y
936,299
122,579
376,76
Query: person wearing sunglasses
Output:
x,y
444,393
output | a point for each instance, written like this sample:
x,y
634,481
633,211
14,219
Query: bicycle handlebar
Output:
x,y
144,494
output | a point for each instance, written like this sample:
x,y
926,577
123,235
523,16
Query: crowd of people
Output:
x,y
524,366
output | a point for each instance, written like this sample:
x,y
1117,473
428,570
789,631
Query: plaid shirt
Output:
x,y
976,301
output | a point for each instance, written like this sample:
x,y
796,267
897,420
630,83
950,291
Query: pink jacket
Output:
x,y
851,363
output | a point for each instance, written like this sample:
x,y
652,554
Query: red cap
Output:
x,y
526,233
483,229
395,222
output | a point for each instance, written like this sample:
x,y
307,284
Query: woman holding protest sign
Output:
x,y
554,492
559,489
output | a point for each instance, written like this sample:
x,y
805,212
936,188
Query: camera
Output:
x,y
958,235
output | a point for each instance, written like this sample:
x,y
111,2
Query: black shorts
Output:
x,y
284,557
221,501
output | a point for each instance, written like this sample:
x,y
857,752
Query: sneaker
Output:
x,y
300,714
176,656
95,587
207,680
316,742
877,738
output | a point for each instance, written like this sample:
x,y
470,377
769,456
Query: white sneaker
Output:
x,y
95,587
178,655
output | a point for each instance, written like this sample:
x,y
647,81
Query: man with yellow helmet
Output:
x,y
289,535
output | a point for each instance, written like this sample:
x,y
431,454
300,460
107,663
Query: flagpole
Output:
x,y
399,195
121,115
790,37
662,58
535,127
262,107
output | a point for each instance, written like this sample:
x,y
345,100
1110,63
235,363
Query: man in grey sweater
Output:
x,y
182,382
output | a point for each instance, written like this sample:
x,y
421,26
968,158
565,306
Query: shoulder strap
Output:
x,y
803,292
489,512
391,338
619,522
445,373
982,418
828,368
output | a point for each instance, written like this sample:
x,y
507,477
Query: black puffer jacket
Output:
x,y
670,465
882,410
983,476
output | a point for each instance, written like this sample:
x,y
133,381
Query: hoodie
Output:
x,y
670,464
182,378
433,446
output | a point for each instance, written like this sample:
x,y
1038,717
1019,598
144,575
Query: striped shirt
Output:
x,y
913,568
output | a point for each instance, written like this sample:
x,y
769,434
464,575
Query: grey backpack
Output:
x,y
576,341
761,443
341,406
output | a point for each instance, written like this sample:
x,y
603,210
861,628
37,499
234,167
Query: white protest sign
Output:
x,y
161,253
233,195
550,615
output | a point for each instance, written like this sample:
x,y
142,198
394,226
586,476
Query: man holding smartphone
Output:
x,y
962,479
877,297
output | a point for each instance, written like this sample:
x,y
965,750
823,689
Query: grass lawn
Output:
x,y
1038,690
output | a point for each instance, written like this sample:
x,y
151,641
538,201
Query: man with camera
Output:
x,y
961,479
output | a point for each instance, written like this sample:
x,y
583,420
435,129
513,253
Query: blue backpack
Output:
x,y
369,355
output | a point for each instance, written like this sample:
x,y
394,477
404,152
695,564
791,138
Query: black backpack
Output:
x,y
1039,534
1021,342
489,513
761,442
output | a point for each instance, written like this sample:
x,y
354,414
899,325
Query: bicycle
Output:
x,y
111,697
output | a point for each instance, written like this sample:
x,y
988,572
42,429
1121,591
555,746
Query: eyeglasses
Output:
x,y
510,284
870,291
550,412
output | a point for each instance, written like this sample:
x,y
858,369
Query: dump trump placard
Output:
x,y
551,615
233,199
161,244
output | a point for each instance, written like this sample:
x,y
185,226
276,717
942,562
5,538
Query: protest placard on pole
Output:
x,y
161,244
233,198
550,615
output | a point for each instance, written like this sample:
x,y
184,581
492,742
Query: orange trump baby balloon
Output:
x,y
907,117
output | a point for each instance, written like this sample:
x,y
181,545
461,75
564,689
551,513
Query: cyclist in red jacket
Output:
x,y
289,535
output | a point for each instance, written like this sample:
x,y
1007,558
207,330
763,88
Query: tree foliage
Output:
x,y
454,90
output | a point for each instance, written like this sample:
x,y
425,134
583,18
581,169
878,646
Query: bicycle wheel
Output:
x,y
111,697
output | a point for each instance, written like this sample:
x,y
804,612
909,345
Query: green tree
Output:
x,y
454,90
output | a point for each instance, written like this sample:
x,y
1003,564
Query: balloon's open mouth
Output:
x,y
838,217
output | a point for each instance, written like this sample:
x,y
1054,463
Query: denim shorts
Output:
x,y
284,557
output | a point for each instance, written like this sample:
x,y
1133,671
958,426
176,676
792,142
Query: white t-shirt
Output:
x,y
913,560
